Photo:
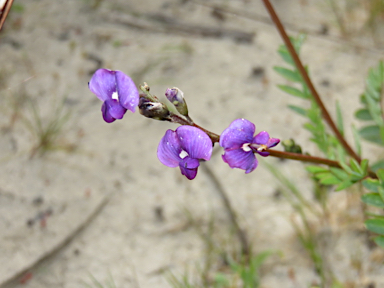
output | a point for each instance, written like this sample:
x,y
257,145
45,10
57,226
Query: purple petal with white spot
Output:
x,y
272,142
189,173
261,138
189,163
169,149
195,142
114,109
105,111
127,91
240,159
239,132
103,84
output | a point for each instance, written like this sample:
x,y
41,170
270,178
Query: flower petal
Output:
x,y
239,159
105,111
127,91
239,132
115,109
195,142
103,84
189,163
189,173
169,149
264,154
272,142
261,138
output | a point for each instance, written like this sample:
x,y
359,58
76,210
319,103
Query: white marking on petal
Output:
x,y
183,154
262,148
246,147
115,95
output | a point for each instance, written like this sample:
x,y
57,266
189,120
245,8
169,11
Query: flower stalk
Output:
x,y
308,81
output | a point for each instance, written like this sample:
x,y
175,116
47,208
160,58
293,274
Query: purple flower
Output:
x,y
176,97
116,90
183,148
240,145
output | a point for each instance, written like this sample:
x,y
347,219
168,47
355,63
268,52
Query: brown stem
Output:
x,y
308,158
308,81
245,247
4,12
302,157
177,119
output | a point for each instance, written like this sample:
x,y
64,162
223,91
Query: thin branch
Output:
x,y
311,159
308,81
245,249
4,12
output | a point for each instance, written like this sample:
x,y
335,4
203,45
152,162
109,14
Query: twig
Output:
x,y
4,12
245,249
308,81
51,253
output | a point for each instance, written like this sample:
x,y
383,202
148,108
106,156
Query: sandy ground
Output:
x,y
100,202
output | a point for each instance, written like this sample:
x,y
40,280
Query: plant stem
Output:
x,y
241,234
177,119
275,153
308,81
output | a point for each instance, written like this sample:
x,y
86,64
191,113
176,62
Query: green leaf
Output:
x,y
298,42
381,192
288,74
375,225
339,173
364,166
371,184
339,118
356,137
379,240
315,169
285,55
377,165
327,178
363,114
382,133
380,174
356,166
371,91
372,134
298,110
293,91
373,199
344,185
374,110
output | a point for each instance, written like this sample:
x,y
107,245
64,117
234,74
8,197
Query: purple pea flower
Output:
x,y
183,148
116,90
240,145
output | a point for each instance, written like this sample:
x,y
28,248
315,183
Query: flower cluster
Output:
x,y
187,145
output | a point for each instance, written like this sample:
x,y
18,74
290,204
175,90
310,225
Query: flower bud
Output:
x,y
155,110
176,97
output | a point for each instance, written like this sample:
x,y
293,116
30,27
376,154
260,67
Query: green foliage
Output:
x,y
109,283
325,142
376,199
372,111
343,178
248,273
350,171
47,131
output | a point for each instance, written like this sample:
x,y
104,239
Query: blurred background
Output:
x,y
84,203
